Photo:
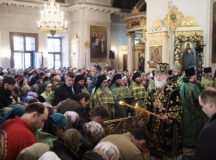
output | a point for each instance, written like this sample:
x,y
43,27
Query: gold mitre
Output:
x,y
162,68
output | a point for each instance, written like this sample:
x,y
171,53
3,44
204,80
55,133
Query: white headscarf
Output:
x,y
71,116
49,156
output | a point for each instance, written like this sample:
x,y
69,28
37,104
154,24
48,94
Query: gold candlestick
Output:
x,y
139,109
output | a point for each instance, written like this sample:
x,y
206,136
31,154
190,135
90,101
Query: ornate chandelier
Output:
x,y
51,19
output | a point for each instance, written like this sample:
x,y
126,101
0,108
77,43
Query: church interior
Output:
x,y
139,74
132,35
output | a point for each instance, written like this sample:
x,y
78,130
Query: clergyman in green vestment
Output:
x,y
103,96
193,118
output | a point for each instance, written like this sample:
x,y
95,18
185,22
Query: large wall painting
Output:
x,y
98,44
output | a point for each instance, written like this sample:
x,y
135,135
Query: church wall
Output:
x,y
118,39
155,11
15,19
82,18
198,9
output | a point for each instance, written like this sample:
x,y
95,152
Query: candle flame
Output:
x,y
121,102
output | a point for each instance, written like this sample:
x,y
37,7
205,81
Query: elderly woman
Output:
x,y
107,150
53,128
72,119
49,156
67,148
92,132
33,152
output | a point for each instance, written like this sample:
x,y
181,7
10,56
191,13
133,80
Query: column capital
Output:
x,y
131,34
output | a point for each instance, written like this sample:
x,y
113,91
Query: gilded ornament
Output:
x,y
134,11
158,34
156,42
157,24
173,17
188,33
189,22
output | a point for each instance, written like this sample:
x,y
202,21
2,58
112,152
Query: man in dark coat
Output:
x,y
66,90
205,149
78,105
5,91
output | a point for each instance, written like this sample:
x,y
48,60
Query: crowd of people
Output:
x,y
59,114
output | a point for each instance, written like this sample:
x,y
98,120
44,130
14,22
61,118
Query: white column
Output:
x,y
171,41
131,52
171,47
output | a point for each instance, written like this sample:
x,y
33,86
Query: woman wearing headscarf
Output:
x,y
92,132
33,152
47,94
49,156
23,82
17,111
72,119
107,150
53,129
67,148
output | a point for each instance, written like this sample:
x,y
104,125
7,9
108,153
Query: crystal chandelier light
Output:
x,y
51,19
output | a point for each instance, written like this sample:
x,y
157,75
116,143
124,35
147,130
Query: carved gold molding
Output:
x,y
134,10
143,38
131,34
158,34
174,17
156,42
140,47
189,22
188,33
135,23
157,24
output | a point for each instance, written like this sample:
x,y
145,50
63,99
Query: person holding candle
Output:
x,y
164,130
